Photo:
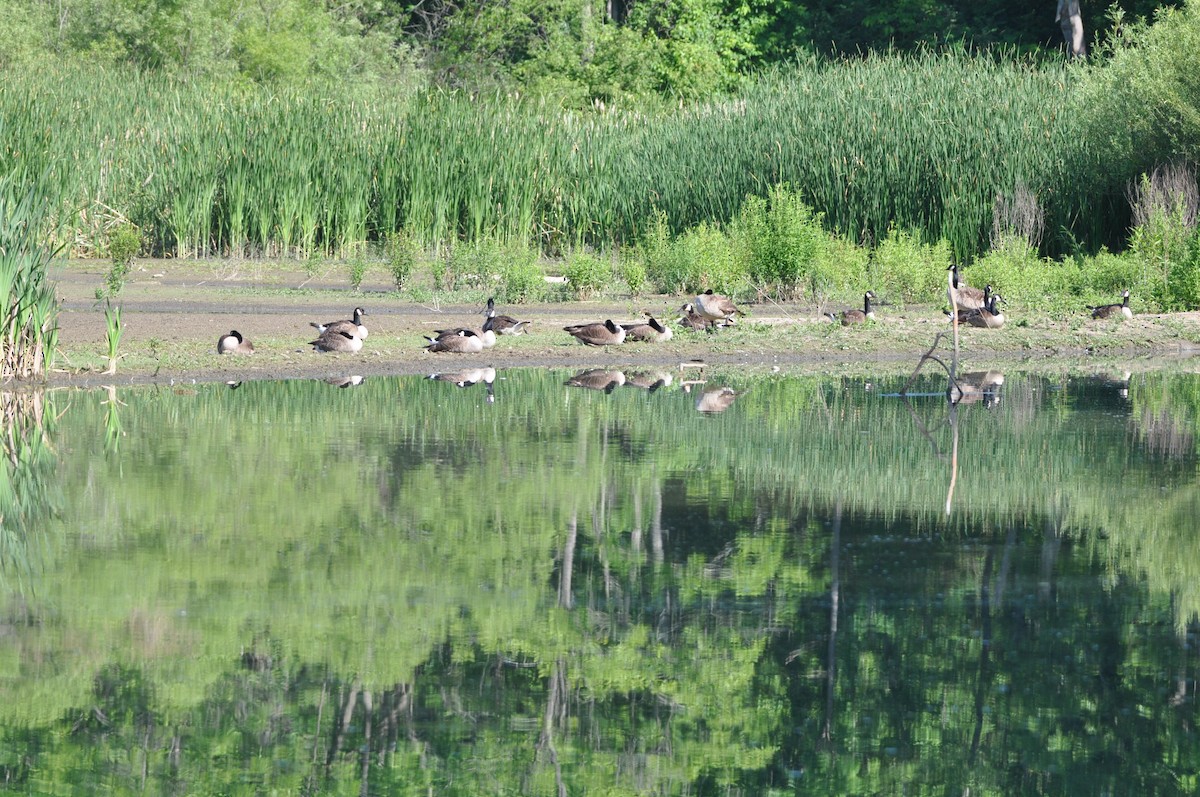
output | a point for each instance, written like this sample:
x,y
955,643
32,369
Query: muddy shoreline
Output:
x,y
173,313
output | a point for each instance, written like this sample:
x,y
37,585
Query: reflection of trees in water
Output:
x,y
28,492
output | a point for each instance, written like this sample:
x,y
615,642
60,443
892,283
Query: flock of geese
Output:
x,y
708,311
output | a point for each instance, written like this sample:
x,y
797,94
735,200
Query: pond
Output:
x,y
696,581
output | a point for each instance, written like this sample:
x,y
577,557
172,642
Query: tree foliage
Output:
x,y
579,51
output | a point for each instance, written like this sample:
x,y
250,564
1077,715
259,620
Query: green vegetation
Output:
x,y
768,172
124,243
112,334
28,324
643,590
207,169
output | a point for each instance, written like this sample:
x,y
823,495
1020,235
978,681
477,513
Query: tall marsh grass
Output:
x,y
28,307
926,143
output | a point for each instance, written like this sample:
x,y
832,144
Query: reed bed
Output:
x,y
29,309
927,143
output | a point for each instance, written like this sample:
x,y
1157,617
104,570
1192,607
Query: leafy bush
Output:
x,y
587,274
1015,271
699,258
1105,275
633,272
1166,250
357,267
508,270
784,241
518,274
1141,102
400,253
124,243
661,261
903,266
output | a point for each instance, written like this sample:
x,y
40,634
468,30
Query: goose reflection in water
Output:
x,y
467,377
716,399
605,379
975,387
650,380
345,381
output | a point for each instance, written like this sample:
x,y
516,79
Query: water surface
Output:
x,y
546,582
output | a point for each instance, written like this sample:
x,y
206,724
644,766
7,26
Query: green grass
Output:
x,y
923,142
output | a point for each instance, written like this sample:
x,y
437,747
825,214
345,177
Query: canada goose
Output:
x,y
604,379
338,340
962,295
964,315
502,324
715,399
466,377
976,386
487,336
466,341
859,316
1113,310
650,331
649,380
716,308
989,317
691,319
356,326
345,381
606,334
234,343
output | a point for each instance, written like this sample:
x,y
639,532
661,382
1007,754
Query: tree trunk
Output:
x,y
1070,19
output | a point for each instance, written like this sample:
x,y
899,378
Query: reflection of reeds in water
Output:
x,y
28,491
1161,433
113,430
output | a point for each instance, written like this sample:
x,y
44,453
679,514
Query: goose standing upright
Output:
x,y
962,295
718,309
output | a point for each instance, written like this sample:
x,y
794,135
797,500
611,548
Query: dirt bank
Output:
x,y
174,311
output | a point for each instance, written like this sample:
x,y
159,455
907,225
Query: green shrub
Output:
x,y
587,274
1141,101
357,267
633,272
663,266
518,275
1105,275
124,243
904,267
783,241
1165,250
699,258
445,269
400,254
1015,271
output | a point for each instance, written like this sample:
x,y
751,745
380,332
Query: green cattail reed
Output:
x,y
920,142
112,334
28,308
